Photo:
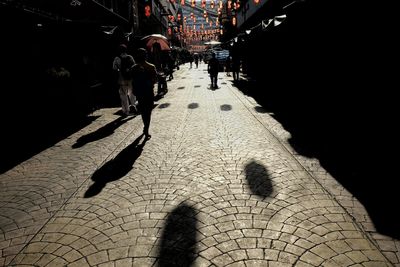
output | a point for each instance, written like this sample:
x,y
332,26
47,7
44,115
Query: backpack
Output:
x,y
126,67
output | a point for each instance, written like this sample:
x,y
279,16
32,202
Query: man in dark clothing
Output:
x,y
235,67
213,70
144,77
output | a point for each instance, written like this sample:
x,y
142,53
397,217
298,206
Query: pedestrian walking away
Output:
x,y
122,66
144,77
196,60
235,67
228,66
213,70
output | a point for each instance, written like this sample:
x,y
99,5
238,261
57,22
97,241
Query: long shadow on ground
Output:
x,y
116,168
102,132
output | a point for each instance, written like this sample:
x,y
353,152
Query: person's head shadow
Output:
x,y
100,133
116,168
258,179
179,238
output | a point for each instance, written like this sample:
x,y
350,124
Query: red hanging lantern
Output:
x,y
256,2
147,10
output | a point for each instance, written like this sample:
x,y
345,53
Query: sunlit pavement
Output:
x,y
216,185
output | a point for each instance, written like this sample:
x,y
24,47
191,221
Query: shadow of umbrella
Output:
x,y
258,179
179,238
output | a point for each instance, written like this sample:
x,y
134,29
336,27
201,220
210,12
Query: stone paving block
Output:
x,y
107,264
222,260
356,256
210,253
279,245
124,262
343,260
271,254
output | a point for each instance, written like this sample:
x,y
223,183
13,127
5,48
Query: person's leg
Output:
x,y
159,86
146,117
216,80
123,94
132,97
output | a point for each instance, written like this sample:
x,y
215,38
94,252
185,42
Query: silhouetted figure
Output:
x,y
144,77
156,55
122,66
191,59
170,66
196,60
213,70
162,85
235,67
228,66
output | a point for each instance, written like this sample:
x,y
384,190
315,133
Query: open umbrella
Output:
x,y
156,40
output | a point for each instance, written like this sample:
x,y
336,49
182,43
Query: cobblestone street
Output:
x,y
216,185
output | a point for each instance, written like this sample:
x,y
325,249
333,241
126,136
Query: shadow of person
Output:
x,y
116,168
179,238
258,179
100,133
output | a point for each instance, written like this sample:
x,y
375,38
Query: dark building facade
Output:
x,y
56,62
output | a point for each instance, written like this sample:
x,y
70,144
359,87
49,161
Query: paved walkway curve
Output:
x,y
212,187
